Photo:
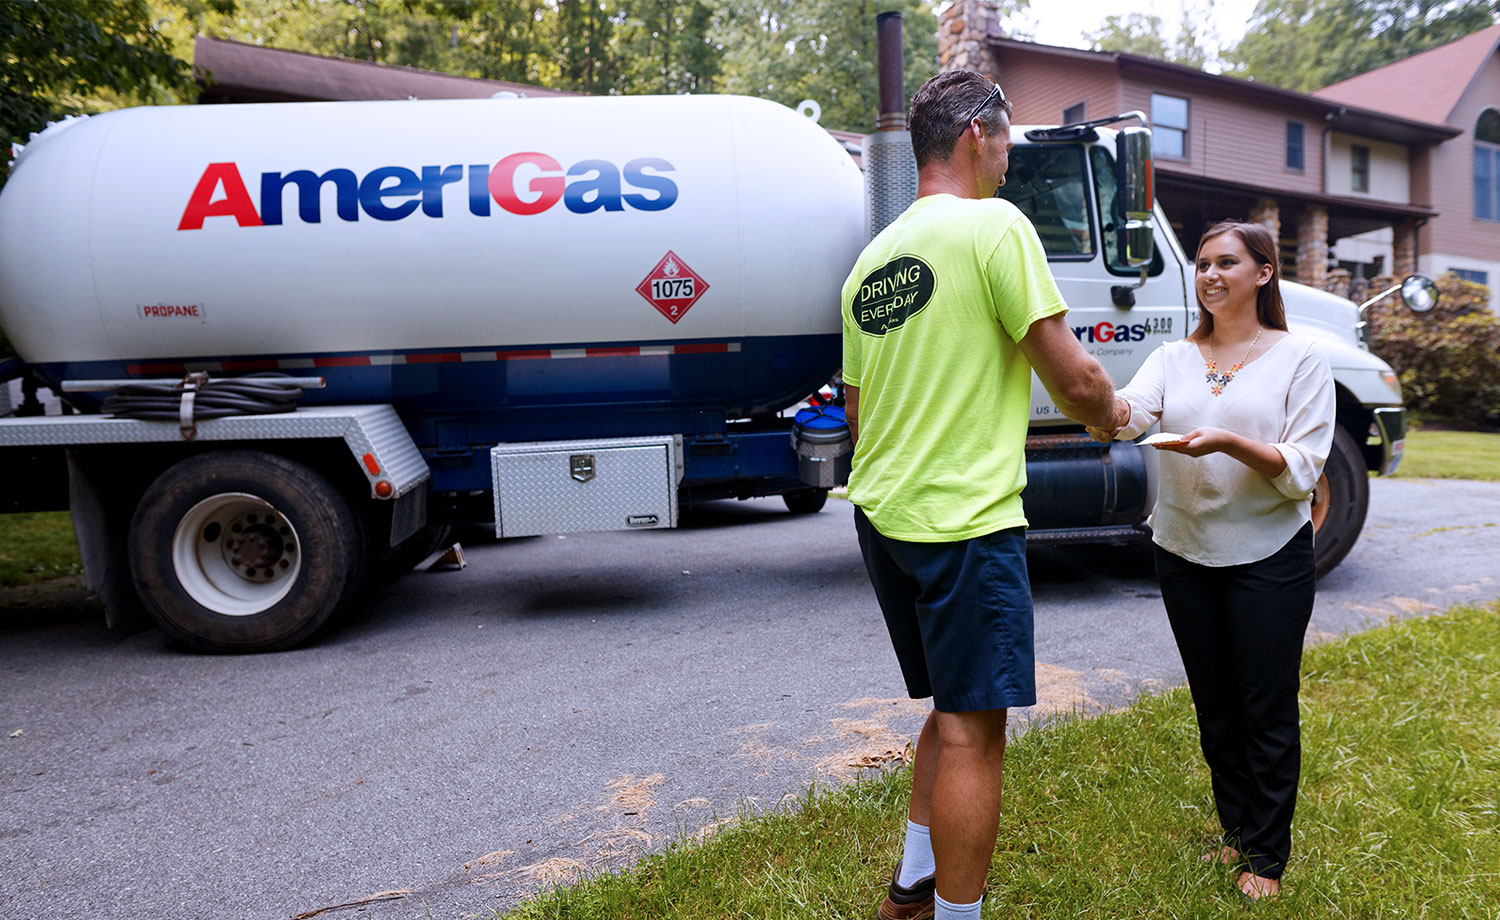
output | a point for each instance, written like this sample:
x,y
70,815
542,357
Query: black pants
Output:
x,y
1240,629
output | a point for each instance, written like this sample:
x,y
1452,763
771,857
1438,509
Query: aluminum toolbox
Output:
x,y
575,486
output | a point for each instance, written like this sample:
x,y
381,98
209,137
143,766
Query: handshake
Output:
x,y
1119,417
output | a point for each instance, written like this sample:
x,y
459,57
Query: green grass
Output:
x,y
35,547
1106,817
1451,455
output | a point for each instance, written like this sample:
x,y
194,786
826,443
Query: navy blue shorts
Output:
x,y
959,615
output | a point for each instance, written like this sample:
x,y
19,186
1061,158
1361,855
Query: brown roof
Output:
x,y
239,72
1422,86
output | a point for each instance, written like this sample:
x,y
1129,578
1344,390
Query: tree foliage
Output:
x,y
1449,358
583,43
1308,44
1144,34
787,50
824,50
665,47
59,58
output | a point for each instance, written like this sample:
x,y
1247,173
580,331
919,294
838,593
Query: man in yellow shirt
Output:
x,y
946,314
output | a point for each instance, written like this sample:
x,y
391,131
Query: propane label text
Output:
x,y
892,294
171,311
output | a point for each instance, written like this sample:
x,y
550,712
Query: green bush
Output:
x,y
1449,358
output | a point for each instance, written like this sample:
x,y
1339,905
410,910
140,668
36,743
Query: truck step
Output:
x,y
1112,534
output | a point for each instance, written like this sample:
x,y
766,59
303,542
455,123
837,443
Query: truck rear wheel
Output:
x,y
1340,501
805,501
243,551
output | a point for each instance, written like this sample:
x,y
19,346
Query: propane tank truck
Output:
x,y
299,341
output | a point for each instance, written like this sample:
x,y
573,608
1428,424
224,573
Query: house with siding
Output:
x,y
1456,85
1314,170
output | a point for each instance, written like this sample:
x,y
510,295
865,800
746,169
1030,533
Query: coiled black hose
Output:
x,y
256,394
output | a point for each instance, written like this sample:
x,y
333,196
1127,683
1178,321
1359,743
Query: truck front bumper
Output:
x,y
1390,429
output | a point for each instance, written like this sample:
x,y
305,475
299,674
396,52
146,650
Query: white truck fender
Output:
x,y
1367,378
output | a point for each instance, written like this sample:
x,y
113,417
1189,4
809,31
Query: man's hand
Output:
x,y
1121,419
1074,380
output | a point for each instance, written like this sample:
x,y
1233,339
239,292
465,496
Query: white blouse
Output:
x,y
1215,510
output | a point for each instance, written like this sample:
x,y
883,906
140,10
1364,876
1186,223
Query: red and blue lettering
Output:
x,y
521,183
1111,332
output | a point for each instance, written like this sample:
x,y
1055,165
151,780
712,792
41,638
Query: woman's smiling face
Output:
x,y
1228,276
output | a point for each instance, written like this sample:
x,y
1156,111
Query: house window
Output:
x,y
1471,275
1073,114
1359,168
1295,158
1487,166
1169,124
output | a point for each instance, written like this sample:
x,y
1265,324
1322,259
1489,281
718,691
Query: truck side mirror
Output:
x,y
1136,195
1419,293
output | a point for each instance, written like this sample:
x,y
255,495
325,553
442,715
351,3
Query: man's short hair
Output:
x,y
938,110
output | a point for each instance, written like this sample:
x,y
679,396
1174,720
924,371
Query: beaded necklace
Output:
x,y
1216,381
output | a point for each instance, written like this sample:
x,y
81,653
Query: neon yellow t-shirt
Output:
x,y
932,313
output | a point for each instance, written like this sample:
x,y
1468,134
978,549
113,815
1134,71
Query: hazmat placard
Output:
x,y
672,287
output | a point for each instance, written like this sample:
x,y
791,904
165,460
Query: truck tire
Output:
x,y
1340,501
805,501
244,551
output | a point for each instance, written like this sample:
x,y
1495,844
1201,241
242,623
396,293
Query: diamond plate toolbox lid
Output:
x,y
580,486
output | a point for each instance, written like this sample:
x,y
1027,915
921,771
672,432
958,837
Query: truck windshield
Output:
x,y
1048,184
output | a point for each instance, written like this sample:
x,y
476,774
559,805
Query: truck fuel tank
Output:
x,y
682,252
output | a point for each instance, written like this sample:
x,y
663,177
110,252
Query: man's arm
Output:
x,y
851,411
1074,380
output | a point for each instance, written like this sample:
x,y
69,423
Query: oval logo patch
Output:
x,y
892,294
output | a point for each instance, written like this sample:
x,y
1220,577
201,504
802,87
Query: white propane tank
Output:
x,y
392,234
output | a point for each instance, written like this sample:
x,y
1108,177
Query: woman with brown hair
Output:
x,y
1233,532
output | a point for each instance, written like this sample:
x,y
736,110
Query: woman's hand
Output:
x,y
1262,458
1203,441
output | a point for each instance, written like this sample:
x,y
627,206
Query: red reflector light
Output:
x,y
371,464
383,489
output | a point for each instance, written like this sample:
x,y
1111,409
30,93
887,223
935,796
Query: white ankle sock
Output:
x,y
916,859
949,911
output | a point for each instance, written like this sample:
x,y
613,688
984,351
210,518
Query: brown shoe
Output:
x,y
908,903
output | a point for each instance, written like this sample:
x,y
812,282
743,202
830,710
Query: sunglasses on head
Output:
x,y
987,99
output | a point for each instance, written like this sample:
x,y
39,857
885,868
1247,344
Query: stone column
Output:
x,y
1268,214
1404,249
1312,246
963,37
1339,282
1359,289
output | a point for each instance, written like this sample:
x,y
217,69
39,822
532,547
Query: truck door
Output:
x,y
1067,191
